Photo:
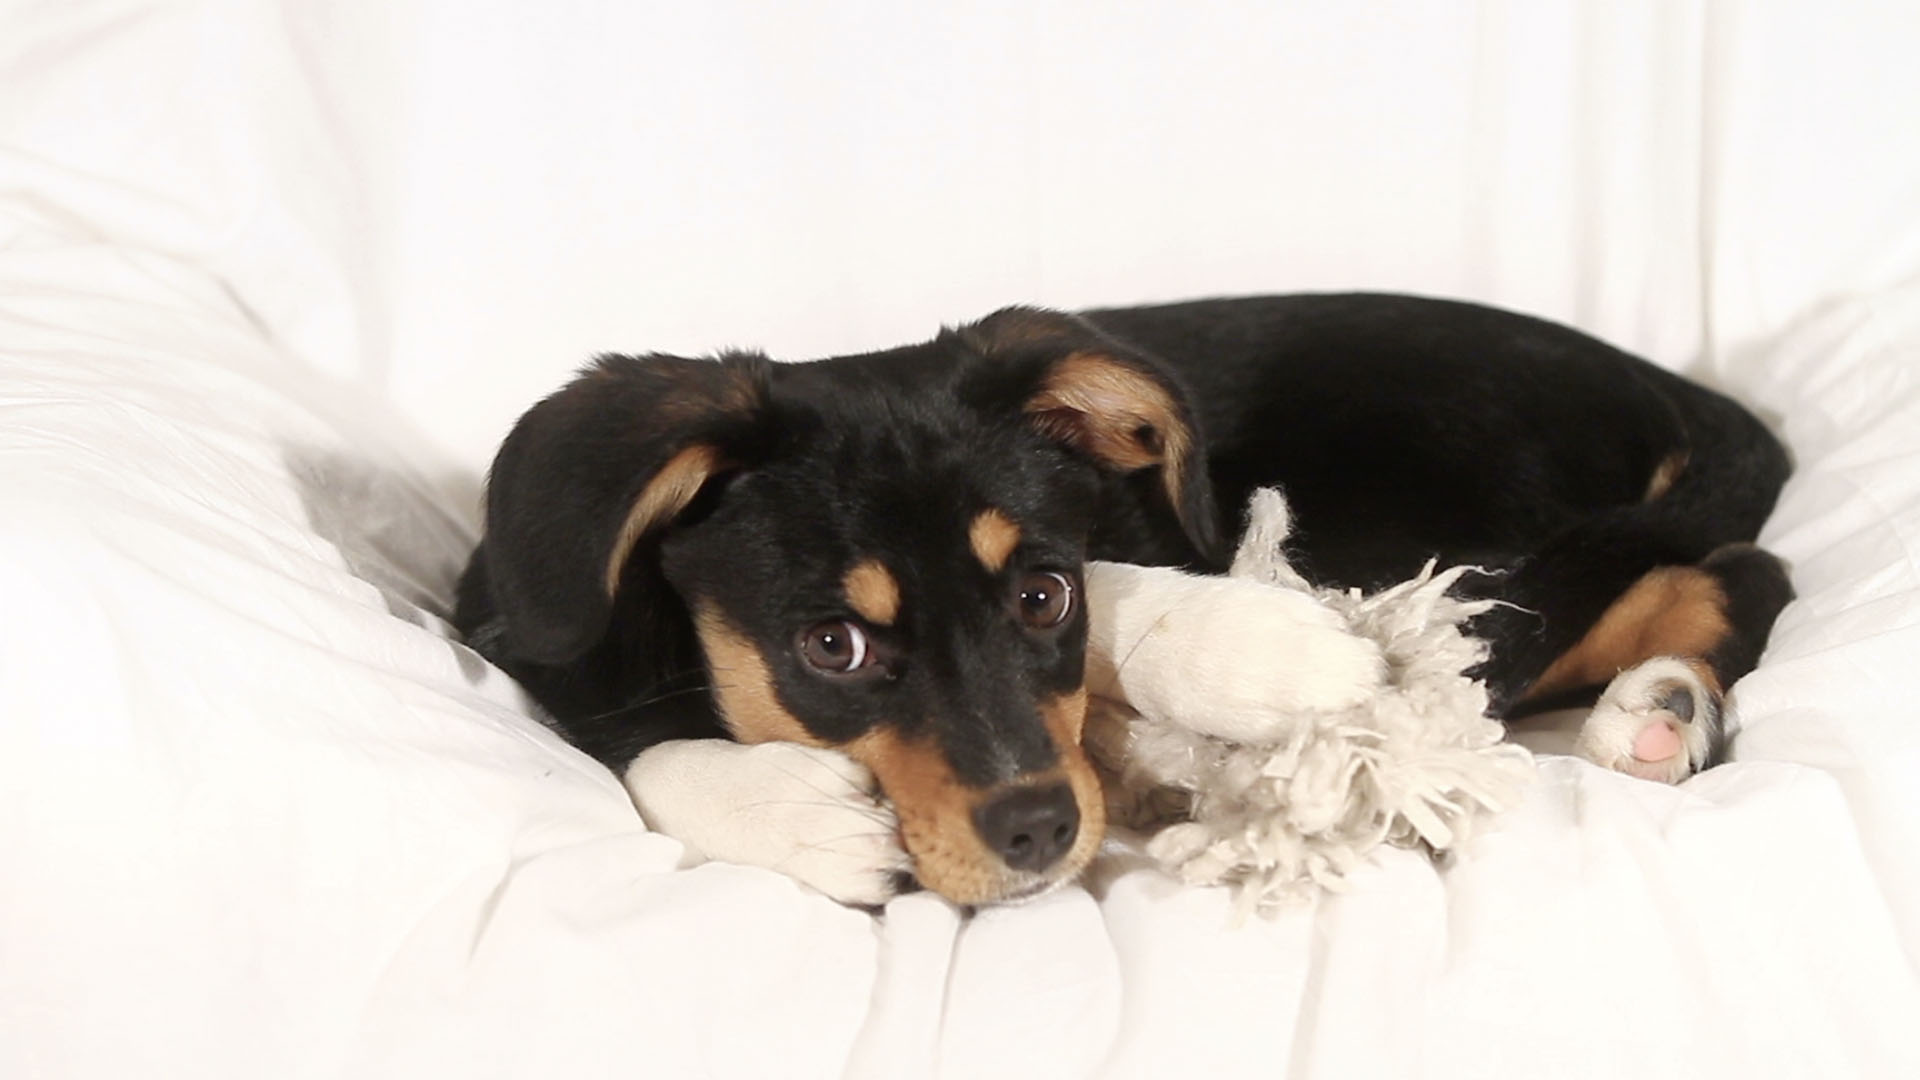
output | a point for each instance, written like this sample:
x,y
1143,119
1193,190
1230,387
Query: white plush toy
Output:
x,y
1278,732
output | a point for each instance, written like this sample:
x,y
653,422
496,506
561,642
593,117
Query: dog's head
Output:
x,y
878,553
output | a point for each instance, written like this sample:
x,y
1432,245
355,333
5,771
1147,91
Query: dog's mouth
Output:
x,y
905,882
1035,892
982,881
1007,844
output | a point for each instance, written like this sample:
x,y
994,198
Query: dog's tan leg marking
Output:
x,y
1675,611
743,685
1663,698
993,536
668,493
1665,474
872,592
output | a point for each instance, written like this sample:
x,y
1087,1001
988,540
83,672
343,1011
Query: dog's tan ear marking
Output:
x,y
1107,400
872,592
993,536
668,493
594,470
1115,414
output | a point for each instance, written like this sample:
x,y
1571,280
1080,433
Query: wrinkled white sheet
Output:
x,y
272,281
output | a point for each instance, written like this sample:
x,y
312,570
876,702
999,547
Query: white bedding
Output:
x,y
274,279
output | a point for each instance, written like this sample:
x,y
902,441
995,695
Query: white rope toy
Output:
x,y
1278,732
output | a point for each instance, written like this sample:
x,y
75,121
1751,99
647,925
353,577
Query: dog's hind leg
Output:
x,y
1666,649
1662,715
1671,578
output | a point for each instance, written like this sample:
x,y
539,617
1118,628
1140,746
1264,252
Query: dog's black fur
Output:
x,y
1401,429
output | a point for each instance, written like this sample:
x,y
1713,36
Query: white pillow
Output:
x,y
258,808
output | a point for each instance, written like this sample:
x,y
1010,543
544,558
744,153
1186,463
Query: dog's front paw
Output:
x,y
1229,657
814,815
1656,720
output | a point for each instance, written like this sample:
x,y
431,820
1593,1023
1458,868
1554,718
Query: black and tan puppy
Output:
x,y
880,556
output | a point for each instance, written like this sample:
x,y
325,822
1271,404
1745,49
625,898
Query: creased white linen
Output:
x,y
273,279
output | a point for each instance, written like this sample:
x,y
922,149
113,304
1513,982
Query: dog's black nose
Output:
x,y
1030,828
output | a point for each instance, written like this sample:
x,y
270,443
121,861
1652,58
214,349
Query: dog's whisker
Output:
x,y
841,800
644,702
878,817
657,698
828,844
816,787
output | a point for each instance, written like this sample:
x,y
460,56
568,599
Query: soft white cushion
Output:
x,y
261,813
274,278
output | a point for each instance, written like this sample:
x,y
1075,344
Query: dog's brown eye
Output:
x,y
838,647
1045,601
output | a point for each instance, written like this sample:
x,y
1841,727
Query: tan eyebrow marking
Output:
x,y
993,536
1665,474
872,592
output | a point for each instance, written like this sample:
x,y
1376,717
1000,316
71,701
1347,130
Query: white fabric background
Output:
x,y
275,277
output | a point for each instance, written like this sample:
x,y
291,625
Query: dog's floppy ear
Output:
x,y
1107,400
596,469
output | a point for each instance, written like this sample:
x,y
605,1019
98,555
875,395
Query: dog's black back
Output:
x,y
1404,429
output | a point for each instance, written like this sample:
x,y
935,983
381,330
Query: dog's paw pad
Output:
x,y
1656,743
1655,721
